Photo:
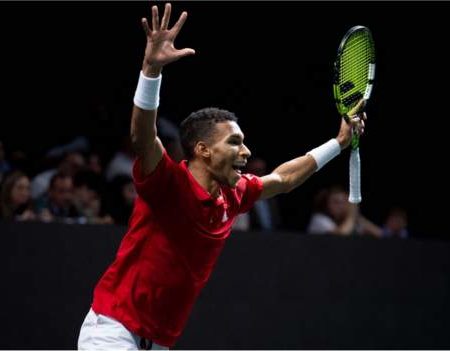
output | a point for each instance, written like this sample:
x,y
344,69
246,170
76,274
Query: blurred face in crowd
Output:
x,y
73,162
85,196
338,205
94,163
396,222
61,192
87,200
20,192
129,193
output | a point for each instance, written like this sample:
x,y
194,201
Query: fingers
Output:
x,y
155,18
185,52
166,17
358,124
358,108
146,27
177,27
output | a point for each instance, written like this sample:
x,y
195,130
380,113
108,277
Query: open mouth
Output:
x,y
238,168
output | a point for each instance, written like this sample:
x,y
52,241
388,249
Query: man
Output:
x,y
183,213
58,204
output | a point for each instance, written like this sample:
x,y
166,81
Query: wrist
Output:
x,y
325,152
146,96
342,142
151,71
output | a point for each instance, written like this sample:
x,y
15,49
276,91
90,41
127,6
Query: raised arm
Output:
x,y
159,52
293,173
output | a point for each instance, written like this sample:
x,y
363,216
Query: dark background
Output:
x,y
70,68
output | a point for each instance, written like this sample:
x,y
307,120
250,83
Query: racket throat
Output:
x,y
355,140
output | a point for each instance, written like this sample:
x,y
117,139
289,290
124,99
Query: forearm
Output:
x,y
143,130
295,172
143,120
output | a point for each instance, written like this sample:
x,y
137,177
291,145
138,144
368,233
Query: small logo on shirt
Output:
x,y
225,217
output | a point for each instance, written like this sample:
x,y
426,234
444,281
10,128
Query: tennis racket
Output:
x,y
354,73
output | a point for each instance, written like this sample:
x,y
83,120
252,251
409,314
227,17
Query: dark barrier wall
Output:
x,y
269,291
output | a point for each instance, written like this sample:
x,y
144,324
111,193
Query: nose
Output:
x,y
245,151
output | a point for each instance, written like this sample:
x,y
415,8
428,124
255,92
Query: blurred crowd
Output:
x,y
77,188
78,185
73,183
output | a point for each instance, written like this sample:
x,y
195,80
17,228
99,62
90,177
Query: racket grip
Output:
x,y
355,177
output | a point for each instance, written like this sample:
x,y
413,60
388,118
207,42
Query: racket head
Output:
x,y
354,69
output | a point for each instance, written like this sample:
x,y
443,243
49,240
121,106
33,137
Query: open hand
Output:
x,y
160,49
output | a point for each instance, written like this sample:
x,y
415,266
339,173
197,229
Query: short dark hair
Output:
x,y
199,126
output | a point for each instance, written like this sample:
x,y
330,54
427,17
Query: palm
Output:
x,y
160,48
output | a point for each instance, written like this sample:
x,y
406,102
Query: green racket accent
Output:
x,y
354,71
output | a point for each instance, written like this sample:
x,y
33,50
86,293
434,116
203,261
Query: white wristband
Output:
x,y
147,92
325,152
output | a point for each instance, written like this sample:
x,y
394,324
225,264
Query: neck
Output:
x,y
201,174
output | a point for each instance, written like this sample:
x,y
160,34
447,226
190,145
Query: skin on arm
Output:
x,y
159,52
291,174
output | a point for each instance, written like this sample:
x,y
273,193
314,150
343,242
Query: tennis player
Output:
x,y
184,211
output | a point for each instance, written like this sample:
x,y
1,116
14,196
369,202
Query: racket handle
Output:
x,y
355,177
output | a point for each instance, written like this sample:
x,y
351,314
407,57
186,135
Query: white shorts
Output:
x,y
99,332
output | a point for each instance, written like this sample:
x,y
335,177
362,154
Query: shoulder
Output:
x,y
249,181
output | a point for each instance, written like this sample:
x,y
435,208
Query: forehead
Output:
x,y
226,129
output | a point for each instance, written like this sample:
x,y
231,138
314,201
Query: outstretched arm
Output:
x,y
293,173
159,52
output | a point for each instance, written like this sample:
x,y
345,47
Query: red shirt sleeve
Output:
x,y
155,184
251,187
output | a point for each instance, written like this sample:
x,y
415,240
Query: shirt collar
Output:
x,y
198,190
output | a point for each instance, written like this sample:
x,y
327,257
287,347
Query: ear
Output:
x,y
202,150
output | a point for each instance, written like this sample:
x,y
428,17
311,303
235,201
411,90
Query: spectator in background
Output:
x,y
88,190
265,214
94,163
15,198
57,205
396,223
333,214
122,161
70,165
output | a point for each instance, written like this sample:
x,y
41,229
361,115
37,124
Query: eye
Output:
x,y
235,142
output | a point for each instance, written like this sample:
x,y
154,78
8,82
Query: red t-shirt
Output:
x,y
176,233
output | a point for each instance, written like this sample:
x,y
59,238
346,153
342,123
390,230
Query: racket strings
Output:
x,y
355,69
